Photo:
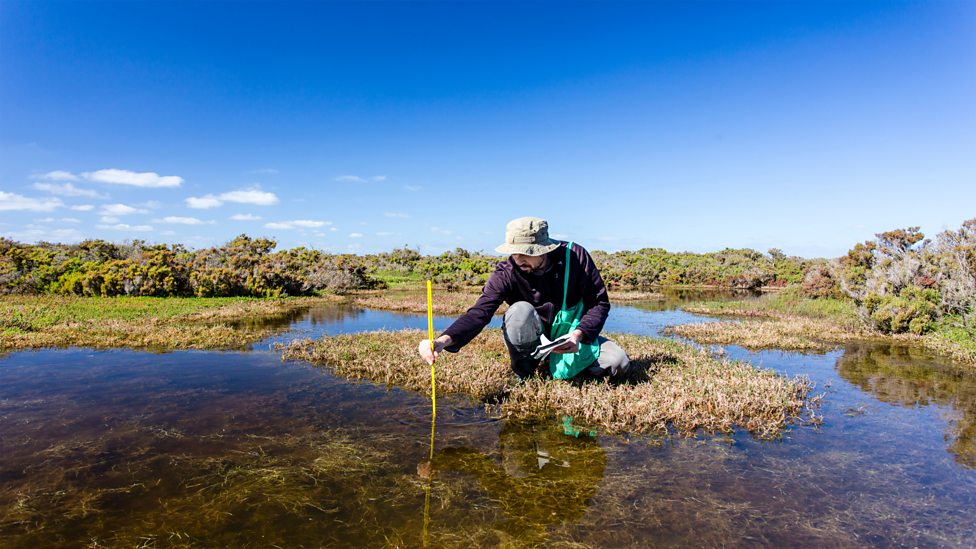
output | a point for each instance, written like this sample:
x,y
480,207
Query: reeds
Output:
x,y
789,333
633,295
674,386
791,323
415,301
33,322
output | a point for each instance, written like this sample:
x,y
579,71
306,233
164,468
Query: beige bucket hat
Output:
x,y
527,236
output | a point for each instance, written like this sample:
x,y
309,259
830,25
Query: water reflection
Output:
x,y
538,477
913,377
119,448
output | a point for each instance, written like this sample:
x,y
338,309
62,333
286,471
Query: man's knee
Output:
x,y
613,360
521,324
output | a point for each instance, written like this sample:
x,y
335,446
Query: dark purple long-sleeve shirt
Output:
x,y
544,291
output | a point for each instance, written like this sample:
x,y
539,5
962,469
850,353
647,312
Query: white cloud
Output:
x,y
396,214
203,202
269,171
355,235
245,217
59,220
439,230
126,227
359,179
126,177
243,196
412,188
42,234
309,224
65,189
334,229
109,219
16,202
252,196
384,233
83,208
350,179
56,175
151,204
121,209
297,224
175,220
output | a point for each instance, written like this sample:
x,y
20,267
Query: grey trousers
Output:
x,y
522,328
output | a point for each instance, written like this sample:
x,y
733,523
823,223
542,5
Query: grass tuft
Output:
x,y
33,322
787,320
675,386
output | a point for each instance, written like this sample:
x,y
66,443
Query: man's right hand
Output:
x,y
439,344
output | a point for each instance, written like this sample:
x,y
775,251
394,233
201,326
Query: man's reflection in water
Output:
x,y
542,477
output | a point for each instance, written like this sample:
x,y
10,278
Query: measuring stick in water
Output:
x,y
433,412
430,336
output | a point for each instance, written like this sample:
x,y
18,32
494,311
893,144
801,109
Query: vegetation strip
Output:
x,y
139,322
414,300
787,320
676,385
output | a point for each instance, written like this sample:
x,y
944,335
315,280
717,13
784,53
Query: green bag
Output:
x,y
566,366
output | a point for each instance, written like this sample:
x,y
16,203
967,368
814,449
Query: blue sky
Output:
x,y
360,127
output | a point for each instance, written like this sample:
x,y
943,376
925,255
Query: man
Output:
x,y
545,282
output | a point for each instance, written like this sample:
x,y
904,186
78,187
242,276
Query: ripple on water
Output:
x,y
226,449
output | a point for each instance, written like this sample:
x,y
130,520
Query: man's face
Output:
x,y
529,263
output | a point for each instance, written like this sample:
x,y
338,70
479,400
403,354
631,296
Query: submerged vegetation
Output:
x,y
138,322
675,386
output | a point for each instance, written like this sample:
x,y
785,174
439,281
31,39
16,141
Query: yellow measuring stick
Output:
x,y
430,336
433,411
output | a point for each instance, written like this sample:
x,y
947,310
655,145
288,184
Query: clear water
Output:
x,y
220,449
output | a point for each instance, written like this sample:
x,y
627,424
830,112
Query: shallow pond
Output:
x,y
221,449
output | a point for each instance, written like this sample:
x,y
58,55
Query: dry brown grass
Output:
x,y
779,332
675,385
415,301
625,295
145,323
770,329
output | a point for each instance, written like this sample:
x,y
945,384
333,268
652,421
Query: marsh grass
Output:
x,y
675,386
634,295
32,322
785,304
794,334
414,300
786,320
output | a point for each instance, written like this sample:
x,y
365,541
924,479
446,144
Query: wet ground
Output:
x,y
210,449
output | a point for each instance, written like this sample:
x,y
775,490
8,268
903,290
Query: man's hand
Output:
x,y
439,344
570,346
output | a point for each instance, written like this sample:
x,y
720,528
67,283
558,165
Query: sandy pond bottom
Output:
x,y
204,449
